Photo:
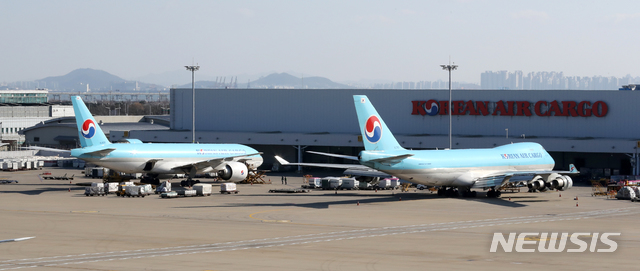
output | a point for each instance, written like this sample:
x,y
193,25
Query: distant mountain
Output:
x,y
279,80
97,80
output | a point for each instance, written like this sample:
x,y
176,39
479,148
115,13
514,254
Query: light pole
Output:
x,y
449,68
193,70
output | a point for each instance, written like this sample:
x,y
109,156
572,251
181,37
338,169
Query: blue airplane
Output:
x,y
232,162
458,170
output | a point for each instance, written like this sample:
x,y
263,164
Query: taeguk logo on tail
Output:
x,y
88,128
373,129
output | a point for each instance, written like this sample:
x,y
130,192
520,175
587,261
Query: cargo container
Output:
x,y
384,184
364,185
394,183
203,189
146,189
330,183
335,183
134,191
349,183
315,182
187,192
110,187
99,172
94,191
228,188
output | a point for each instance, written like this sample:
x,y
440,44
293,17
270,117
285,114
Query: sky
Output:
x,y
341,40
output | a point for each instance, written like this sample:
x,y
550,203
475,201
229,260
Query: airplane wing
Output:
x,y
103,152
498,179
350,169
345,166
214,162
45,149
335,155
393,159
17,239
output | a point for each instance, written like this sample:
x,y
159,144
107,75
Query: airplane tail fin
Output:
x,y
375,133
572,169
89,131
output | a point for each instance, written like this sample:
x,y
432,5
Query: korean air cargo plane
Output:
x,y
462,169
232,162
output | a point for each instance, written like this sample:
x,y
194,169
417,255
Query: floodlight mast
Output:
x,y
449,68
193,70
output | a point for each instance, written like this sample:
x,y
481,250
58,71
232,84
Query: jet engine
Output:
x,y
537,184
234,172
560,182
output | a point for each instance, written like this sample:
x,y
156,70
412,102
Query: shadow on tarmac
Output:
x,y
359,198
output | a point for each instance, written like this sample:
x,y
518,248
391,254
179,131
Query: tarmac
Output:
x,y
319,230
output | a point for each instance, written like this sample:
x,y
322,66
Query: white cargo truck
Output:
x,y
228,188
203,189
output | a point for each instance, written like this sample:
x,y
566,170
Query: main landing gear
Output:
x,y
492,193
189,182
452,192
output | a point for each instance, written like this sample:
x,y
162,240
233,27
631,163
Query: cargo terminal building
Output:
x,y
595,130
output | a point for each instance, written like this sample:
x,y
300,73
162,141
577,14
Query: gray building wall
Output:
x,y
332,111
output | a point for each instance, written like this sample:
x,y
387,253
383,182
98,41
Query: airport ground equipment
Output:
x,y
203,189
163,187
329,183
365,186
289,190
256,177
51,177
314,182
636,190
187,193
110,187
626,192
115,176
394,183
349,184
405,187
122,188
597,189
384,184
146,189
8,181
132,191
170,194
96,189
228,188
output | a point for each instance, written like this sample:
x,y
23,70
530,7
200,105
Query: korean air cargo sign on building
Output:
x,y
512,108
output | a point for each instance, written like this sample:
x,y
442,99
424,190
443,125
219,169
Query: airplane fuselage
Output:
x,y
133,158
460,167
